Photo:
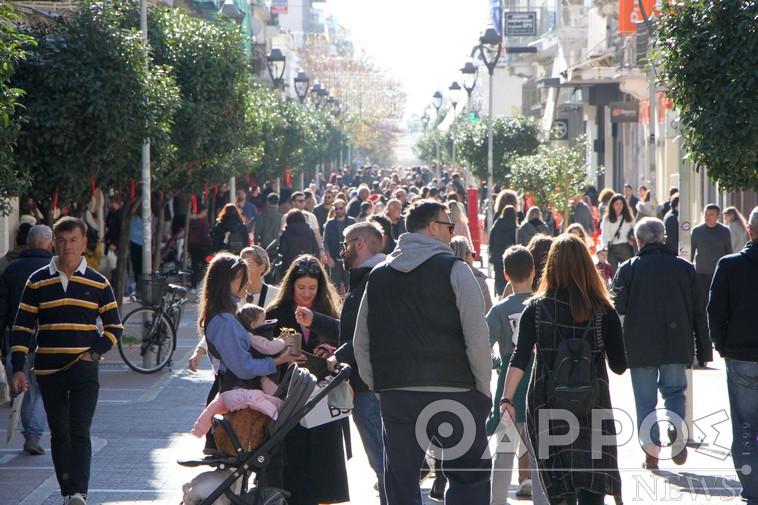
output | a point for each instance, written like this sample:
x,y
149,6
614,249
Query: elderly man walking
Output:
x,y
421,342
657,292
733,322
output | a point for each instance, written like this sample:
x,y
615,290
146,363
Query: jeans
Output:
x,y
499,273
70,398
502,470
454,422
646,382
742,384
367,417
33,419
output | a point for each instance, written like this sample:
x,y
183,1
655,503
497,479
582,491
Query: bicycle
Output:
x,y
149,338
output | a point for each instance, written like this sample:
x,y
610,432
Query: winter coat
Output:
x,y
296,239
659,294
229,235
531,228
732,316
315,470
502,236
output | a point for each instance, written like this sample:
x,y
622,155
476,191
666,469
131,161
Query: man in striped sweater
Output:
x,y
61,303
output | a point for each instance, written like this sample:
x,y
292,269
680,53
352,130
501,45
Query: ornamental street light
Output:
x,y
469,73
302,81
323,98
315,89
276,64
490,45
455,91
437,103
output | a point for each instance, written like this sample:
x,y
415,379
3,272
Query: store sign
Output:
x,y
279,7
520,24
624,112
560,129
630,14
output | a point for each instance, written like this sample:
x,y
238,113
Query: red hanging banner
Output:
x,y
55,199
194,204
132,190
287,179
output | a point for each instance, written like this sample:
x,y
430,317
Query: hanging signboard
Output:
x,y
279,7
520,24
624,112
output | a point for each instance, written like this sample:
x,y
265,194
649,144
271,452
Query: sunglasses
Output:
x,y
339,208
450,226
346,242
303,268
473,254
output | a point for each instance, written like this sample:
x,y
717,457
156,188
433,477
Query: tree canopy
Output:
x,y
708,54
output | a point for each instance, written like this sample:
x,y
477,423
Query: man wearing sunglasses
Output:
x,y
421,342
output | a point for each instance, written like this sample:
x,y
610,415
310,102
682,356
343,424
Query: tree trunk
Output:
x,y
122,253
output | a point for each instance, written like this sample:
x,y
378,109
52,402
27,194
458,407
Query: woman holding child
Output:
x,y
315,467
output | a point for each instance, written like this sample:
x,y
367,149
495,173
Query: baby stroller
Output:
x,y
295,388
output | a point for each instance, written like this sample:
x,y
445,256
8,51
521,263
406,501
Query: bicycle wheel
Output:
x,y
148,340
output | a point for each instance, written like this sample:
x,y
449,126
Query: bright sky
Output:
x,y
422,43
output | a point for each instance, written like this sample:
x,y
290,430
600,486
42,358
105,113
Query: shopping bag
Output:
x,y
323,413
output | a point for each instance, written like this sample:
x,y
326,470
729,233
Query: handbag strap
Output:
x,y
618,230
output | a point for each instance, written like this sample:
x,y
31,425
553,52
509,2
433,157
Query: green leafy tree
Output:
x,y
554,176
511,137
14,48
90,104
708,53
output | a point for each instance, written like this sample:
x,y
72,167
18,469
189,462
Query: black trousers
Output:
x,y
198,253
135,257
70,398
454,422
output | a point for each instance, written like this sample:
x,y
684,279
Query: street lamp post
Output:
x,y
302,81
455,91
490,44
437,103
425,124
276,62
469,73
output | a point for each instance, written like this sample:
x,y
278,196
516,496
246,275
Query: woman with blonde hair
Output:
x,y
737,225
572,302
458,217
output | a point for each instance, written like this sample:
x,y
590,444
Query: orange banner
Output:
x,y
630,14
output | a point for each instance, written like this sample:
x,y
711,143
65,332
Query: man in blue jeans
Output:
x,y
39,243
657,292
733,322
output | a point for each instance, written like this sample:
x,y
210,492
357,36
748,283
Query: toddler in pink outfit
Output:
x,y
252,316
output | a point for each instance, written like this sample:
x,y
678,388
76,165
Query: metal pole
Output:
x,y
147,231
490,183
454,135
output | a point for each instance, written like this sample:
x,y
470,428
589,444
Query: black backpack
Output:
x,y
572,383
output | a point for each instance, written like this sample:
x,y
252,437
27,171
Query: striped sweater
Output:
x,y
64,321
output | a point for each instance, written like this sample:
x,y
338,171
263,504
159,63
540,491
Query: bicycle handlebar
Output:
x,y
171,273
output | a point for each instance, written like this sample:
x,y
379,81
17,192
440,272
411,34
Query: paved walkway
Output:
x,y
142,425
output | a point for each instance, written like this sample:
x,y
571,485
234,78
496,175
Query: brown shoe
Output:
x,y
651,457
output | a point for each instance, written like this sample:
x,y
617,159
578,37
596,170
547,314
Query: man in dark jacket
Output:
x,y
421,343
657,291
733,320
360,253
333,234
37,254
671,223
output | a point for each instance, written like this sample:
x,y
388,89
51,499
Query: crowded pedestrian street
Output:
x,y
143,422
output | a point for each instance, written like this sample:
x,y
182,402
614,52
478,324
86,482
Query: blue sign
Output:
x,y
497,15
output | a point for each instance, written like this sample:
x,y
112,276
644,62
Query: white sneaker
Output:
x,y
524,489
76,499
